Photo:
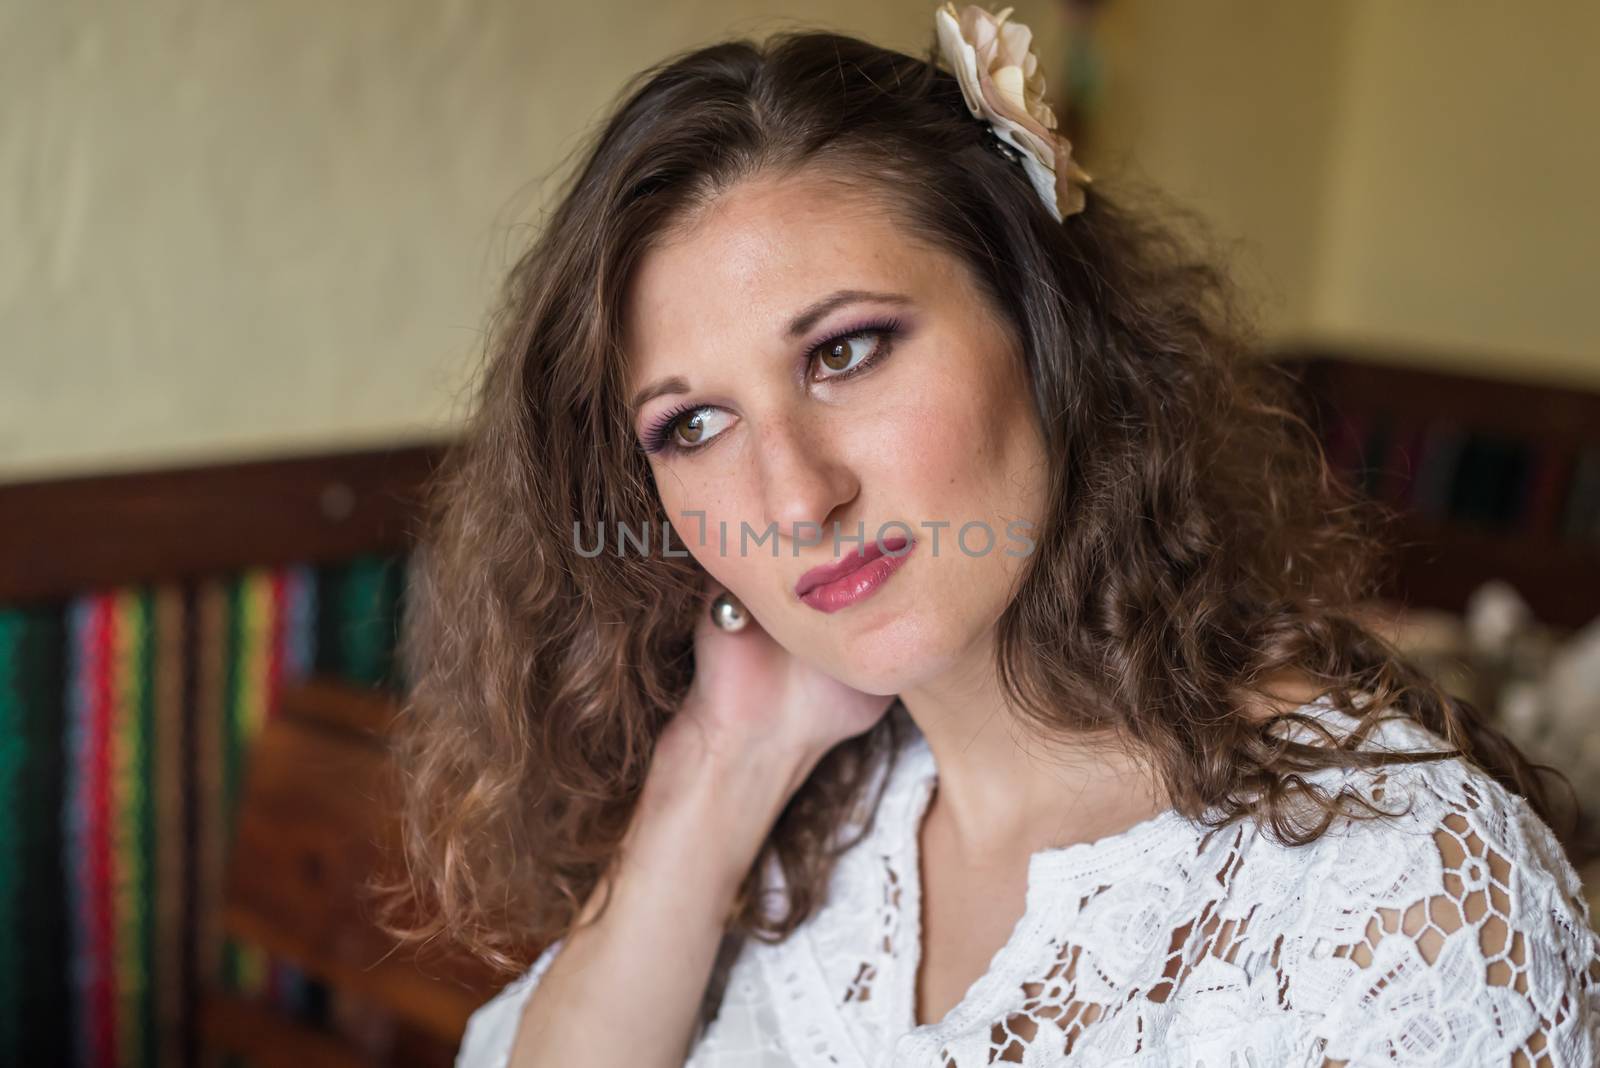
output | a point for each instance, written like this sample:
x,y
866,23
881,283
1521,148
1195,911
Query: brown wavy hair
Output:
x,y
1195,543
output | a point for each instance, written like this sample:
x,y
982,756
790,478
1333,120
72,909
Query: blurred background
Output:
x,y
246,254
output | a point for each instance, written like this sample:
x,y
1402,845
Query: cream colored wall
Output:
x,y
1225,105
267,227
1462,217
1400,180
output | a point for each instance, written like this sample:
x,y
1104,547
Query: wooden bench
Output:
x,y
316,823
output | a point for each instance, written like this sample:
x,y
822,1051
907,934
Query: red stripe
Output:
x,y
101,1009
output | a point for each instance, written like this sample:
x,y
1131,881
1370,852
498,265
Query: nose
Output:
x,y
805,479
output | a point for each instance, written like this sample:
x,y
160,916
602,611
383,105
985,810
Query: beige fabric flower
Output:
x,y
1000,79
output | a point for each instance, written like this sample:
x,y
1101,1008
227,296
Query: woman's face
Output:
x,y
801,365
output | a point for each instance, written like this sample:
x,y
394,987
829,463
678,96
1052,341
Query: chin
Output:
x,y
891,657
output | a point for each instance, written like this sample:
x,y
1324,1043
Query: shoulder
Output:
x,y
1454,926
492,1027
1447,828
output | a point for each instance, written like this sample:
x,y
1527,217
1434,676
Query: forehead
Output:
x,y
760,251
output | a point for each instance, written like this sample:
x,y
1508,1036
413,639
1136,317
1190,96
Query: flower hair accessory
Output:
x,y
1002,85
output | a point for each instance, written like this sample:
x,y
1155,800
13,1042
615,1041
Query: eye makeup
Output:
x,y
658,439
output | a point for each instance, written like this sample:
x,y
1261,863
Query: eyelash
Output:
x,y
658,438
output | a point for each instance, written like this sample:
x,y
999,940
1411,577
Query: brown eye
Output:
x,y
687,431
837,356
848,354
690,430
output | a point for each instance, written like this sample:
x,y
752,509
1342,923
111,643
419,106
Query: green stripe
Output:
x,y
13,757
363,628
42,1005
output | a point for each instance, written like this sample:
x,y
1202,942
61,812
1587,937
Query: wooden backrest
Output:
x,y
1489,479
316,822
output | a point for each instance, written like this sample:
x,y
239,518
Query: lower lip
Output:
x,y
859,584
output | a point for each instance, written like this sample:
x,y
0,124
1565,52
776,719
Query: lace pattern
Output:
x,y
1452,933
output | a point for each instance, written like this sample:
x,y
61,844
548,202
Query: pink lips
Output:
x,y
830,587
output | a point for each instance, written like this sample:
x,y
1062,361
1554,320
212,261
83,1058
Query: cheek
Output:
x,y
955,446
693,516
706,519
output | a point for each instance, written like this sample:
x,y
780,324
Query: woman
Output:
x,y
1030,722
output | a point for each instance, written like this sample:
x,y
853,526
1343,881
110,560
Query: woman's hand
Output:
x,y
626,986
751,701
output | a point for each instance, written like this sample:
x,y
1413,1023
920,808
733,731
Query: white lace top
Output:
x,y
1454,935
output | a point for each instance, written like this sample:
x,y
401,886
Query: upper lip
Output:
x,y
825,573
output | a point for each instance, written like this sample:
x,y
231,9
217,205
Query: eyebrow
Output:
x,y
798,326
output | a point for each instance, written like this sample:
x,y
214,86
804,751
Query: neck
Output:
x,y
1005,787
